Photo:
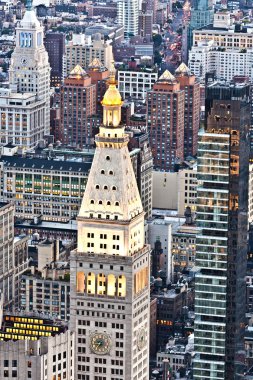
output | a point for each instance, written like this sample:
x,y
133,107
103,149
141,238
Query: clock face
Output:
x,y
141,338
100,343
23,61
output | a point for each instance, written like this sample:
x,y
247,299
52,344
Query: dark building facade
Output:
x,y
221,246
169,308
190,85
55,46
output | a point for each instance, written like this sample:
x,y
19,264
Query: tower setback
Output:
x,y
110,267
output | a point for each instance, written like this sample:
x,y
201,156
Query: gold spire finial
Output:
x,y
112,79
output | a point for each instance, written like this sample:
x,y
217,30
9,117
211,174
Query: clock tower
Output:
x,y
110,267
30,70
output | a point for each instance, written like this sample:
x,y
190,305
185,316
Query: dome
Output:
x,y
112,97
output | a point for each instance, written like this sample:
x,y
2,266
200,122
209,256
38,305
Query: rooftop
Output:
x,y
167,77
183,69
41,163
52,226
78,72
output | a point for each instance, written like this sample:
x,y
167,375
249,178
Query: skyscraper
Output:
x,y
191,87
78,102
146,19
82,49
30,69
55,46
165,121
110,267
221,246
99,75
201,15
128,16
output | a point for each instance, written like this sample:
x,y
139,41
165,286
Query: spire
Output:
x,y
29,5
112,79
30,19
112,97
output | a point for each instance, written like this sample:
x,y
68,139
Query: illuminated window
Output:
x,y
122,286
91,283
80,282
101,284
111,285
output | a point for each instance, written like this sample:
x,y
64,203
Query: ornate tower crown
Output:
x,y
112,102
111,193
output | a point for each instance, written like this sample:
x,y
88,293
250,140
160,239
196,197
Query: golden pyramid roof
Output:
x,y
95,63
167,76
77,72
183,69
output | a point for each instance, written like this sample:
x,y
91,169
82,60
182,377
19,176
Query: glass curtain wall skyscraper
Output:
x,y
201,15
221,246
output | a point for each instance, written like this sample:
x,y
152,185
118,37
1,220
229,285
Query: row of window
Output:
x,y
106,187
108,203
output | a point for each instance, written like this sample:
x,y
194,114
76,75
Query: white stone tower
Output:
x,y
110,268
128,16
30,69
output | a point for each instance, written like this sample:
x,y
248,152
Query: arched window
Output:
x,y
114,188
105,187
108,158
121,286
111,285
91,283
100,202
110,172
80,282
97,186
116,203
92,202
102,172
101,284
108,203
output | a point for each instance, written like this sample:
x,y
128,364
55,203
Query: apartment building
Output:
x,y
81,50
53,189
134,82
